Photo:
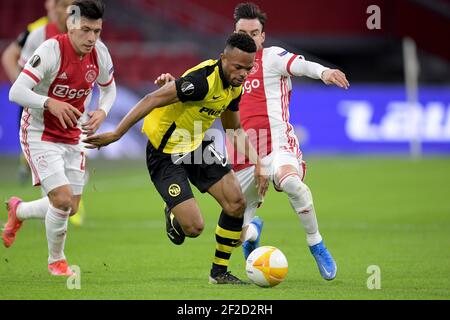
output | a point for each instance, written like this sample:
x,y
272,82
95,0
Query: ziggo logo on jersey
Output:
x,y
250,85
62,91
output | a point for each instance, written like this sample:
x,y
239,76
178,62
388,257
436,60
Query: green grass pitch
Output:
x,y
389,212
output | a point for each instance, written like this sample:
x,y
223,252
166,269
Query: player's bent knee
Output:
x,y
299,193
193,230
292,185
61,201
237,207
61,198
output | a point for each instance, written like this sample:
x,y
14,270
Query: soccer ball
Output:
x,y
266,266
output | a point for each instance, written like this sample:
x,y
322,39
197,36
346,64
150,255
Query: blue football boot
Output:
x,y
325,261
249,246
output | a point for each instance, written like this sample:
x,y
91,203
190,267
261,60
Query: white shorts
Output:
x,y
56,164
271,163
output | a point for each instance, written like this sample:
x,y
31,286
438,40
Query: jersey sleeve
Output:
x,y
43,61
106,66
33,41
282,60
193,86
234,104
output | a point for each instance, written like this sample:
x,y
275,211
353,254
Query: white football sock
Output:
x,y
251,233
301,201
33,210
56,227
313,239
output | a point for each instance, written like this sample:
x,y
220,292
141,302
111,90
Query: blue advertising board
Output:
x,y
370,119
364,119
9,123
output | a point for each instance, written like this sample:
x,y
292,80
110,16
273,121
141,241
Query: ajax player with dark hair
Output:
x,y
54,87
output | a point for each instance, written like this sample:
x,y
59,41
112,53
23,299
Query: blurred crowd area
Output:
x,y
148,37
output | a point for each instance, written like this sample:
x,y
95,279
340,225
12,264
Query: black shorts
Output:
x,y
171,173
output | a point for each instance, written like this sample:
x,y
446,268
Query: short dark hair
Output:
x,y
91,9
241,41
249,10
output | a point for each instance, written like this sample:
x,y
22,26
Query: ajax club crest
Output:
x,y
91,75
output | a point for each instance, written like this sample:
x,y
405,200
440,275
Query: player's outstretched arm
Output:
x,y
289,64
316,71
232,124
157,99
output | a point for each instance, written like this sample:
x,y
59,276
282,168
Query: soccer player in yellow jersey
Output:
x,y
176,118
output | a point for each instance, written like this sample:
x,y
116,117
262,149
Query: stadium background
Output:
x,y
377,204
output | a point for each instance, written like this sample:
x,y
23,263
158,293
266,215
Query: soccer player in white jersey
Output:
x,y
265,116
34,40
53,88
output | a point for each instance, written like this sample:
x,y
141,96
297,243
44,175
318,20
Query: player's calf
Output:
x,y
228,234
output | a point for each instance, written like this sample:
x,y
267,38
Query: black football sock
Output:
x,y
228,234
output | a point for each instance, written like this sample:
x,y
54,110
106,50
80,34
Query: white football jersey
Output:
x,y
264,106
59,73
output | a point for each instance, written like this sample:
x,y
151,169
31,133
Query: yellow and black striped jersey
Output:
x,y
204,95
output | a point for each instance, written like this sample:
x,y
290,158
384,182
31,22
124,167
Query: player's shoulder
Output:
x,y
102,52
50,45
49,50
203,73
197,80
275,52
101,47
203,69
